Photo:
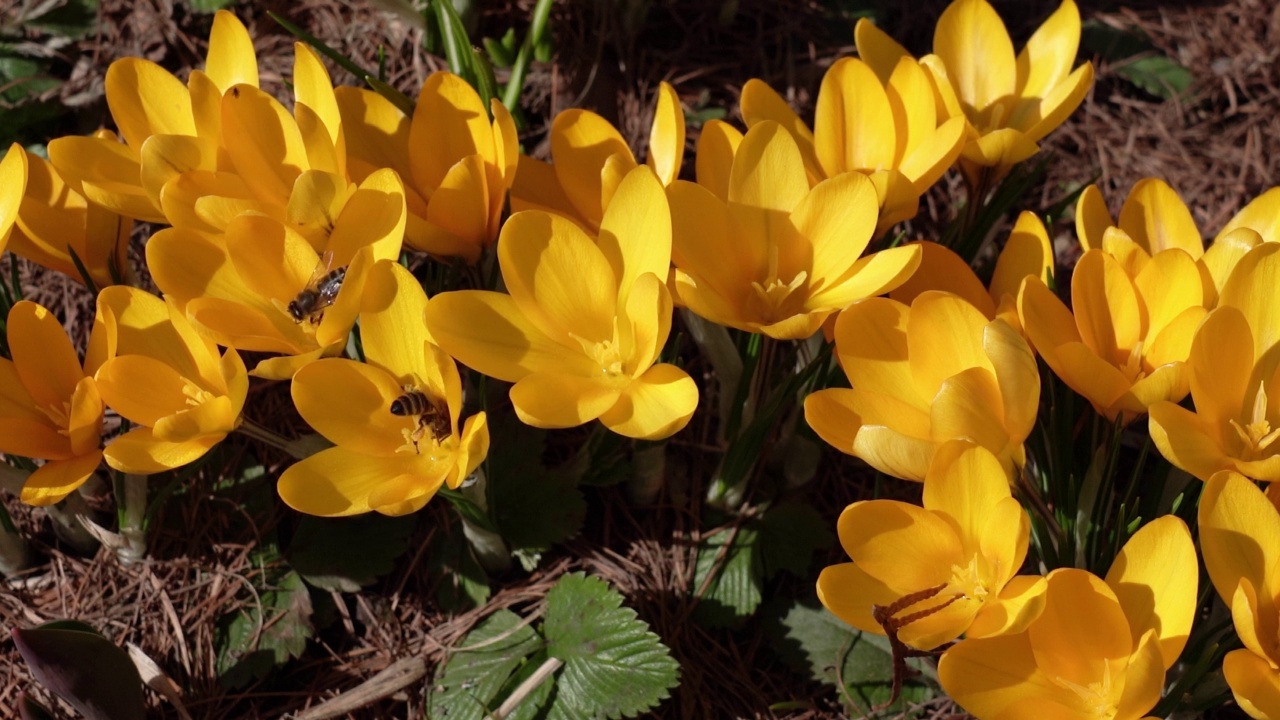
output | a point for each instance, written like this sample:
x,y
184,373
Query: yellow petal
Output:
x,y
635,233
1186,441
942,269
1157,219
976,49
556,400
1001,148
873,274
1262,215
964,484
704,243
507,143
231,59
206,105
644,323
1220,365
1254,622
1017,606
1039,118
941,320
717,145
486,331
968,406
906,547
581,142
1092,218
449,123
140,453
666,136
831,415
1155,577
146,100
656,405
56,479
850,594
1251,289
472,449
375,130
318,147
837,217
1079,605
460,205
926,163
165,157
877,48
994,676
558,277
141,389
406,493
271,259
1239,535
768,171
1143,678
1169,285
853,123
1017,376
760,103
270,153
537,188
42,355
1045,61
284,367
1224,254
915,118
1028,252
373,217
208,202
313,88
1254,683
871,343
1107,309
105,172
13,184
350,404
216,416
339,481
894,453
392,325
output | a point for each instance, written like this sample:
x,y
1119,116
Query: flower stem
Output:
x,y
131,504
13,551
298,449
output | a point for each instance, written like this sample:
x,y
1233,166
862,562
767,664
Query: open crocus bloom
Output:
x,y
1124,343
1027,253
589,158
237,287
773,256
456,164
161,375
1240,539
1010,102
581,330
1099,650
958,555
147,101
50,408
881,125
938,370
1234,373
384,461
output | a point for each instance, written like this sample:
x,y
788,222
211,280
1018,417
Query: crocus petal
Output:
x,y
644,323
141,389
1254,684
449,123
42,354
635,233
878,534
271,259
1143,678
284,367
1239,534
581,142
486,331
1017,376
838,217
1224,254
404,494
32,438
968,406
214,416
338,481
1040,118
944,320
558,277
717,145
350,404
1251,289
760,103
872,275
1047,57
270,153
1254,619
375,130
1262,215
705,245
1002,148
146,100
893,452
537,188
877,48
964,484
989,676
84,423
973,43
165,157
1078,605
1172,344
768,171
853,123
13,183
655,405
942,269
1107,308
557,400
1028,252
1157,219
1154,577
392,328
831,415
105,172
56,479
1092,218
666,137
850,594
140,453
313,88
460,204
1185,441
1018,605
373,217
871,343
231,59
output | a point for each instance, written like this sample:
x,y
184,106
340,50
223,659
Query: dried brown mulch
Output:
x,y
1213,144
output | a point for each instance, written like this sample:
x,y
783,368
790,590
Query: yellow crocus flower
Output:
x,y
386,461
1124,343
1028,252
147,101
237,287
922,375
1009,102
1233,369
773,255
1100,648
166,379
456,165
590,158
585,319
1240,540
50,407
883,126
13,185
949,567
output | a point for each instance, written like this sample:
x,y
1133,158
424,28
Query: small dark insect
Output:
x,y
432,416
235,92
320,292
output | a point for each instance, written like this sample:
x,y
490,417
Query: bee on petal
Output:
x,y
319,293
432,416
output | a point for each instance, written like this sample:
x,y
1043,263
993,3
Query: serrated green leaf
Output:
x,y
346,554
281,624
1158,75
614,666
790,533
736,570
462,583
468,686
820,646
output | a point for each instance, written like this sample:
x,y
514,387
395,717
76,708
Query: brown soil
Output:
x,y
1212,143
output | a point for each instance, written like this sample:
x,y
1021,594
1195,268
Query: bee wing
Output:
x,y
322,268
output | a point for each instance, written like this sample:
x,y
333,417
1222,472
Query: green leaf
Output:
x,y
1158,75
1136,59
468,686
463,584
83,668
499,54
614,666
790,533
820,646
732,571
346,554
281,625
209,6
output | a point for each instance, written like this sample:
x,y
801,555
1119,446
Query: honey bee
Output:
x,y
320,292
432,416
